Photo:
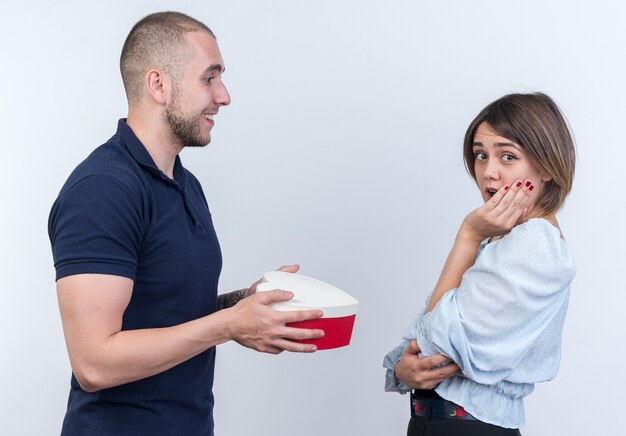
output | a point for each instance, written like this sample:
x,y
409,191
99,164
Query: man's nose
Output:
x,y
222,97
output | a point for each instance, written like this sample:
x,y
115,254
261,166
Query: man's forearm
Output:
x,y
229,299
132,355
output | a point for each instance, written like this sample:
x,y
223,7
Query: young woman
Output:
x,y
498,308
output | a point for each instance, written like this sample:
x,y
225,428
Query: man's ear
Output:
x,y
157,86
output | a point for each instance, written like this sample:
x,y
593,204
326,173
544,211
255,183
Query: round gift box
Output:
x,y
308,293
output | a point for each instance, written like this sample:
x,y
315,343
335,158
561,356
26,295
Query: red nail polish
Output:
x,y
531,188
518,184
527,183
506,188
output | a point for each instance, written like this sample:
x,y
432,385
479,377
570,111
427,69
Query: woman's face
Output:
x,y
500,161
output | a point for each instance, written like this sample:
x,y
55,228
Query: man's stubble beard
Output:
x,y
184,129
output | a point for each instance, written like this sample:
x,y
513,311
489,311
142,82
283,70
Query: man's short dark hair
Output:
x,y
156,41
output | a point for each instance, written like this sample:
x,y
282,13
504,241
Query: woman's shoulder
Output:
x,y
536,244
535,231
538,228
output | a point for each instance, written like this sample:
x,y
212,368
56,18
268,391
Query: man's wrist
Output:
x,y
229,299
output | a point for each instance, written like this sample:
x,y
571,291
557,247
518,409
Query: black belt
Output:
x,y
434,407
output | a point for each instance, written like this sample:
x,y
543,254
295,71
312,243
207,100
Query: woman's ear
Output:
x,y
545,178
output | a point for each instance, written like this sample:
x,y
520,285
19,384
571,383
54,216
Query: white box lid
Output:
x,y
309,293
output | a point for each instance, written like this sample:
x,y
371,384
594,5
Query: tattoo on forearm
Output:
x,y
229,299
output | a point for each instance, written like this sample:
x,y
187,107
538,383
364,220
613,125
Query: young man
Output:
x,y
137,259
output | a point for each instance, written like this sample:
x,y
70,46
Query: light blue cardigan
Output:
x,y
502,325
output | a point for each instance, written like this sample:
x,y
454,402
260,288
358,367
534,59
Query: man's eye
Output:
x,y
209,80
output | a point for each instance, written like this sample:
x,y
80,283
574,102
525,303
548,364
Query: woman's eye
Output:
x,y
508,157
480,156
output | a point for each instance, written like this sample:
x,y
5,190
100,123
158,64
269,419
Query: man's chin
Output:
x,y
200,142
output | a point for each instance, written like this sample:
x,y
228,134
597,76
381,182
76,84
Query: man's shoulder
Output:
x,y
110,163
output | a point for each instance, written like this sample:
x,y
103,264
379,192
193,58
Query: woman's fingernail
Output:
x,y
506,188
518,184
531,187
527,183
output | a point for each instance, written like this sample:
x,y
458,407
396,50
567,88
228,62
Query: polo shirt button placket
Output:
x,y
196,224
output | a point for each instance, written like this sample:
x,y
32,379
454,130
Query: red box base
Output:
x,y
337,331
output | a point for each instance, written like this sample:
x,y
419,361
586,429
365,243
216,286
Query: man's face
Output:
x,y
196,98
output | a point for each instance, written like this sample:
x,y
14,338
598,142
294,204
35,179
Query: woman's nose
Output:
x,y
492,170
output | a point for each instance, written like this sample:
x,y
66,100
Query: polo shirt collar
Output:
x,y
143,158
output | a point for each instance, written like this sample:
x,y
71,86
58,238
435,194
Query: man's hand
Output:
x,y
287,268
423,373
229,299
255,325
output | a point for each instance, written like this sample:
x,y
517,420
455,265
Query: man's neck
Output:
x,y
157,139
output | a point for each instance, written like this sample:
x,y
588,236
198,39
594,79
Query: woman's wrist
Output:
x,y
467,234
395,373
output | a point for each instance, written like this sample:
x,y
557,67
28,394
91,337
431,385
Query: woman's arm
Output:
x,y
494,218
509,307
419,372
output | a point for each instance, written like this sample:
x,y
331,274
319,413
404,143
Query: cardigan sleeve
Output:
x,y
506,302
392,384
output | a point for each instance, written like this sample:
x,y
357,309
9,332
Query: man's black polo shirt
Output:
x,y
119,214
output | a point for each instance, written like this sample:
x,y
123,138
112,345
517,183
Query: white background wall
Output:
x,y
341,151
